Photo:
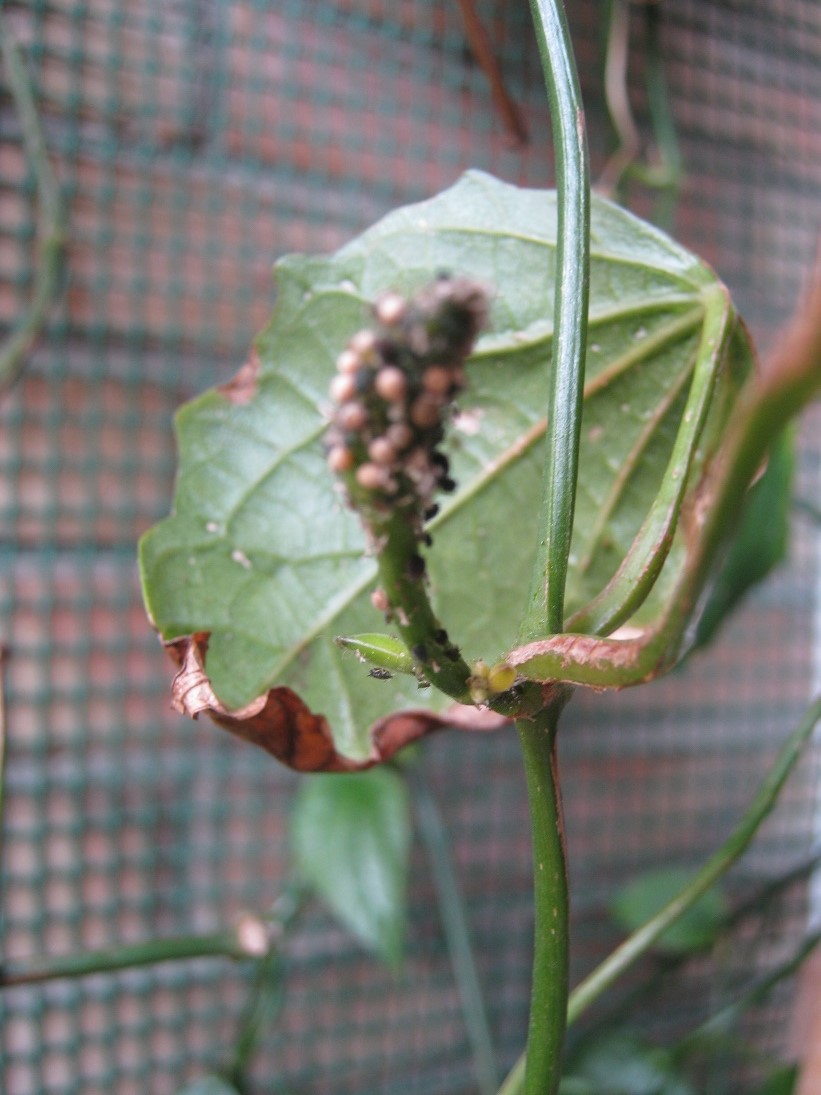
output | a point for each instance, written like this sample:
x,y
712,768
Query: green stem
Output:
x,y
630,586
432,651
545,610
628,162
764,408
481,45
548,1006
637,944
644,937
266,1000
248,940
52,215
545,607
725,1019
759,901
616,20
754,906
670,177
267,993
457,931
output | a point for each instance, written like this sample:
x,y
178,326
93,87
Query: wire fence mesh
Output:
x,y
196,141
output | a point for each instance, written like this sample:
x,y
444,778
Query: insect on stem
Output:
x,y
393,393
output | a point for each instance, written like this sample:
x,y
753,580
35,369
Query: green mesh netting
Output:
x,y
197,141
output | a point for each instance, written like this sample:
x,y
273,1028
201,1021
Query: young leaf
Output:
x,y
261,556
350,838
641,899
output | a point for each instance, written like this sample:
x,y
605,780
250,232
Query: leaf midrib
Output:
x,y
437,231
518,340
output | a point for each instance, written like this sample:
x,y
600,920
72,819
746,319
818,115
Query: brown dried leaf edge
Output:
x,y
281,724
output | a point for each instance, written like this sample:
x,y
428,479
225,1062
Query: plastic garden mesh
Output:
x,y
196,141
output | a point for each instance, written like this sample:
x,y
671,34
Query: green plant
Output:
x,y
262,586
264,578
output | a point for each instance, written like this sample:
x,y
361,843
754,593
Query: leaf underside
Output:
x,y
260,552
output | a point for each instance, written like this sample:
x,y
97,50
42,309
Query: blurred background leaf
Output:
x,y
350,836
642,898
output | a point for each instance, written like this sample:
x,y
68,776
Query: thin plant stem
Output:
x,y
640,941
457,932
548,1003
628,161
753,906
617,98
545,608
51,215
35,970
544,612
265,1002
416,622
763,410
771,889
637,573
249,939
725,1019
736,844
268,990
482,46
670,174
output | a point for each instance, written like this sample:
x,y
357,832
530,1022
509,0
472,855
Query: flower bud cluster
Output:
x,y
393,390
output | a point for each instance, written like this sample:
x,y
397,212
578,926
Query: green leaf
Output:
x,y
208,1085
620,1063
350,836
695,930
760,542
261,554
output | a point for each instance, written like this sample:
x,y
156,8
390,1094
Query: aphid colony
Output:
x,y
394,387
